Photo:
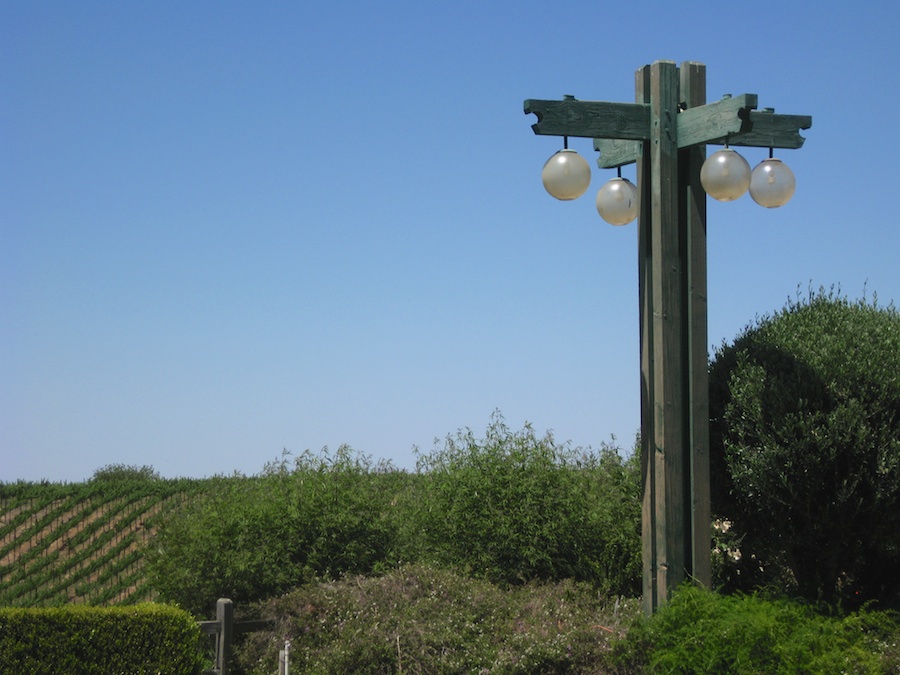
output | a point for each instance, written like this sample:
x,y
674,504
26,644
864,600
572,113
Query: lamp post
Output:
x,y
665,132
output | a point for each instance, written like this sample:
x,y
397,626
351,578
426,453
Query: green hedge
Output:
x,y
81,640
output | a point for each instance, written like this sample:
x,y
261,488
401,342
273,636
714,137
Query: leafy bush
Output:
x,y
418,619
249,538
699,631
80,640
123,472
514,507
805,450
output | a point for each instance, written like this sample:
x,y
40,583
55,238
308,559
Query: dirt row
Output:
x,y
133,521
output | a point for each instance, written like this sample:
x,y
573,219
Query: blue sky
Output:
x,y
233,228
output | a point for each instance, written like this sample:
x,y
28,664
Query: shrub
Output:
x,y
805,449
418,619
123,472
80,640
514,507
249,538
699,631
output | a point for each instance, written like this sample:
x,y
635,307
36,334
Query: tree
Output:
x,y
515,507
805,449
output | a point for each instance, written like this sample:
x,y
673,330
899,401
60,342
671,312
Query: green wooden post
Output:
x,y
666,368
645,286
665,132
693,94
672,289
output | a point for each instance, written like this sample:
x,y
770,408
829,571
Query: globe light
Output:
x,y
725,175
566,175
617,201
772,183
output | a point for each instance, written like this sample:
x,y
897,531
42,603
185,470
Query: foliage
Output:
x,y
503,554
699,631
250,538
120,472
514,507
539,510
79,640
417,619
805,450
511,508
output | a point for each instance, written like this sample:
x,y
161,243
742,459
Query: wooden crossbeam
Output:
x,y
614,152
590,119
700,125
631,121
768,130
618,129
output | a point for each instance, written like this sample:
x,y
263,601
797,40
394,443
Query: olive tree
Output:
x,y
805,449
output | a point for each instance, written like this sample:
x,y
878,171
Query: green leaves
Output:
x,y
78,640
511,507
514,507
805,451
80,542
420,619
698,631
250,538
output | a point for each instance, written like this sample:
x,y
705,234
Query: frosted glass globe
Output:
x,y
566,175
772,183
725,175
617,202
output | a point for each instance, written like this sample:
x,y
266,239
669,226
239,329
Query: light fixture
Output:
x,y
772,183
566,175
617,201
725,175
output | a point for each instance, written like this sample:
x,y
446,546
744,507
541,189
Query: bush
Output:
x,y
514,507
418,619
699,631
805,450
123,472
250,538
80,640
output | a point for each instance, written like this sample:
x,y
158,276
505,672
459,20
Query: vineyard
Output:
x,y
81,542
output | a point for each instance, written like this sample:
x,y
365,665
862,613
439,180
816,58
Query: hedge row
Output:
x,y
81,640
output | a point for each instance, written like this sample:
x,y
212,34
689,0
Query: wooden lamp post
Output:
x,y
665,133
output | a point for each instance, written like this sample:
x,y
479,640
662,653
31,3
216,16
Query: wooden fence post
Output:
x,y
225,617
224,628
223,631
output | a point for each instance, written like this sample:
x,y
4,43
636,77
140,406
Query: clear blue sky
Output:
x,y
233,228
